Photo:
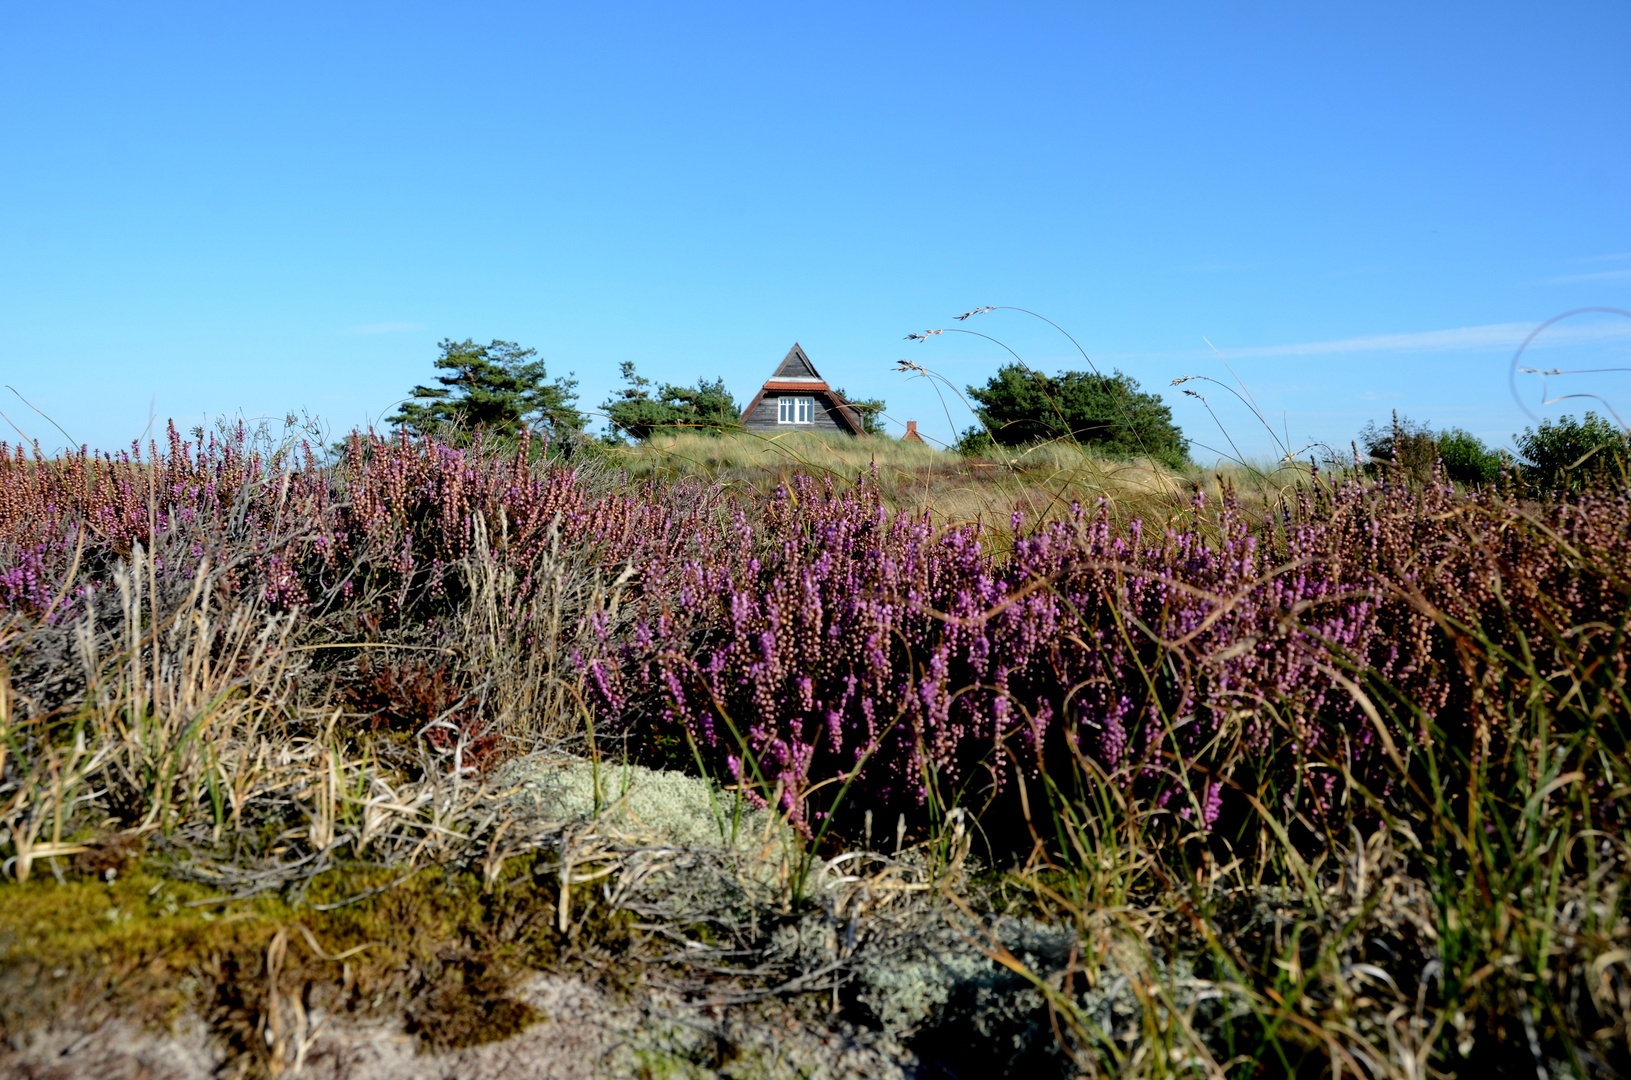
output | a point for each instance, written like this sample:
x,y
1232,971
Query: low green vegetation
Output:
x,y
1035,480
1108,414
1566,454
640,410
442,949
1419,450
1569,454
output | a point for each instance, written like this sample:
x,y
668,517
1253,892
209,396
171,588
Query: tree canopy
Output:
x,y
1571,454
498,388
1106,412
637,410
1415,447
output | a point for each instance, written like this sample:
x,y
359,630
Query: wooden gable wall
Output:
x,y
796,376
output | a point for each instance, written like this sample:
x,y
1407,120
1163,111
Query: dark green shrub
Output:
x,y
1466,459
1407,443
1105,412
974,441
1572,455
637,411
1413,447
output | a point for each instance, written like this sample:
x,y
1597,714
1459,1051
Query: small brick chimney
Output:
x,y
911,433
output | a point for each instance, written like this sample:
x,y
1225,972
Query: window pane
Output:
x,y
806,410
784,411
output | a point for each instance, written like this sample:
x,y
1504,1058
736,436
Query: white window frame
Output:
x,y
795,410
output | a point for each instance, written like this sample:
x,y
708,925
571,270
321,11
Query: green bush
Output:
x,y
1413,447
1406,443
637,411
1105,412
1466,459
1572,455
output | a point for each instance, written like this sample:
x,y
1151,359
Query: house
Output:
x,y
797,398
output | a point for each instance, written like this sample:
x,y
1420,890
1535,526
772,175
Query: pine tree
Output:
x,y
637,411
497,388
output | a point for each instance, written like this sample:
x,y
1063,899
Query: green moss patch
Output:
x,y
441,952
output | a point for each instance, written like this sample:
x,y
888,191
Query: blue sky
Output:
x,y
259,208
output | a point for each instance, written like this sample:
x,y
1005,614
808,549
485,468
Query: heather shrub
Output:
x,y
1228,696
1368,724
820,637
433,585
838,640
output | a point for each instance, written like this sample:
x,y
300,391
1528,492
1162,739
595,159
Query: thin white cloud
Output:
x,y
384,328
1493,336
1618,256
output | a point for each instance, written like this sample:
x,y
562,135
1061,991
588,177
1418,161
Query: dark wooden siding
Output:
x,y
796,366
828,421
830,418
763,415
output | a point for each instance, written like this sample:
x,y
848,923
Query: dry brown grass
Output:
x,y
1036,481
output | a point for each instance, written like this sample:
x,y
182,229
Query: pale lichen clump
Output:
x,y
671,806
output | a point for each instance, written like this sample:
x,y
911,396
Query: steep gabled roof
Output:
x,y
796,365
796,374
